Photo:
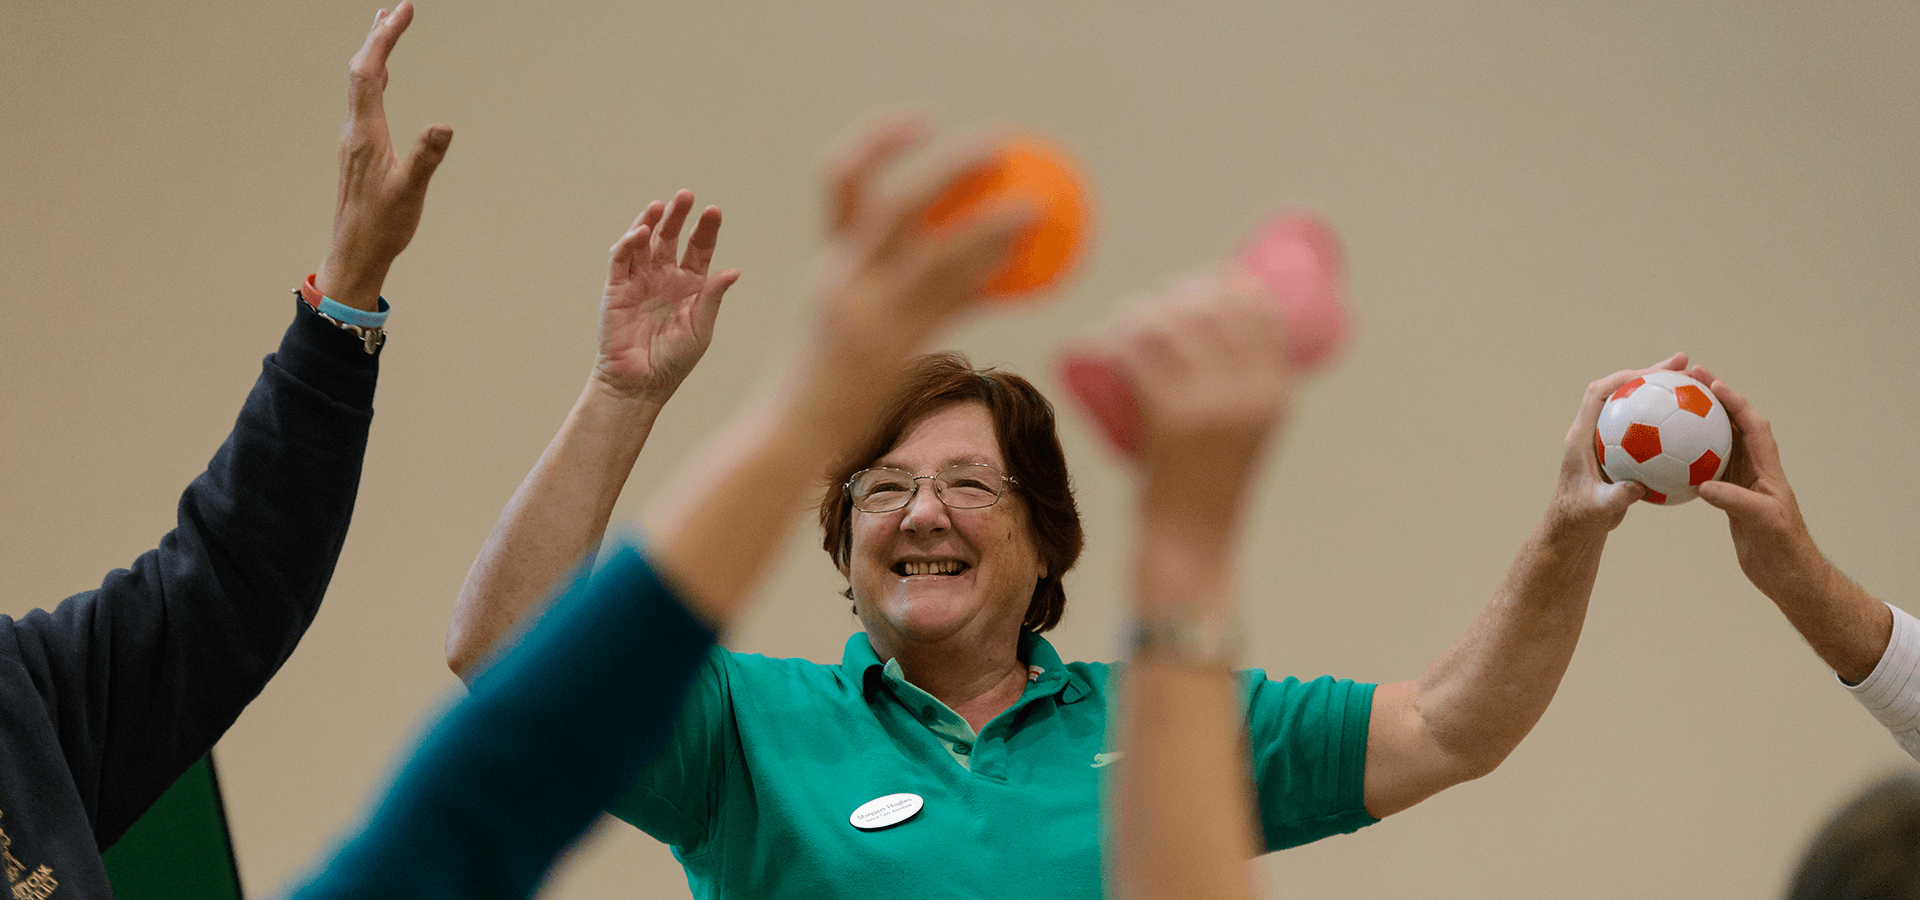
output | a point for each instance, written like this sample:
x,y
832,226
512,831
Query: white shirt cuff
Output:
x,y
1892,691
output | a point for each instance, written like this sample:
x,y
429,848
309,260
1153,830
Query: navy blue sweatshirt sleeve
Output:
x,y
141,676
551,733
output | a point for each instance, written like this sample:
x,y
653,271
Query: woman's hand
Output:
x,y
657,314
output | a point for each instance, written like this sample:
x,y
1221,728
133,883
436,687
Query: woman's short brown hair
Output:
x,y
1023,423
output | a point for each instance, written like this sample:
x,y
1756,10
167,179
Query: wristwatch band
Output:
x,y
1209,641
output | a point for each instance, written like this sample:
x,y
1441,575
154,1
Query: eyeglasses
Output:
x,y
965,486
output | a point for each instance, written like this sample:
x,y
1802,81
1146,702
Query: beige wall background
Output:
x,y
1532,196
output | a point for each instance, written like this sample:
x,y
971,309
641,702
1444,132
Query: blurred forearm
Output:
x,y
553,521
1186,823
720,528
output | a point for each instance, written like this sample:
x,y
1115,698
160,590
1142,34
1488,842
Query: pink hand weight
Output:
x,y
1106,398
1294,260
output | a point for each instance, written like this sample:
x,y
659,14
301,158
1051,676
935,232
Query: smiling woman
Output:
x,y
954,522
972,416
941,588
951,730
951,737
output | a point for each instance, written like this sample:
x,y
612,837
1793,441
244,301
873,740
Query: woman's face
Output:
x,y
925,573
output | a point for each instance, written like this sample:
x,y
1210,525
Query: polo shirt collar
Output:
x,y
1047,672
863,667
859,663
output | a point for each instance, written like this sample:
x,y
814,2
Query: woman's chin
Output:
x,y
926,619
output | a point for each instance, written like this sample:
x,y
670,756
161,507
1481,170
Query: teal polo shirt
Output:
x,y
771,757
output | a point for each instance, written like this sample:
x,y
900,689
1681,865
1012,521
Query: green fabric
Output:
x,y
771,757
179,847
953,730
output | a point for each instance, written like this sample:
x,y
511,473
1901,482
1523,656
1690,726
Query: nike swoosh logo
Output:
x,y
1107,759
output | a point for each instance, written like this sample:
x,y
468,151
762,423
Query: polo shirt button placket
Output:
x,y
963,748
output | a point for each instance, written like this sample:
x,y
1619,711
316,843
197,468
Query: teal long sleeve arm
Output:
x,y
551,733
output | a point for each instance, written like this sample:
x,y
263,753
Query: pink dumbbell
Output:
x,y
1295,261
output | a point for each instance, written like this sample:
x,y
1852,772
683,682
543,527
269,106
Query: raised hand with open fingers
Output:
x,y
381,194
657,314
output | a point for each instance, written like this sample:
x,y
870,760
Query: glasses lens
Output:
x,y
880,490
969,486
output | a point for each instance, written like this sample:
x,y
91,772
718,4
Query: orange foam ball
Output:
x,y
1040,172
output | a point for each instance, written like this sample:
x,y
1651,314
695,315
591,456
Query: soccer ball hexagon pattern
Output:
x,y
1666,431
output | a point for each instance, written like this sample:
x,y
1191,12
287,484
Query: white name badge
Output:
x,y
881,812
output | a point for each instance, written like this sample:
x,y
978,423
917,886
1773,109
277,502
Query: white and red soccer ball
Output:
x,y
1666,431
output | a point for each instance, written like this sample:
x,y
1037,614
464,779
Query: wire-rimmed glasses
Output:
x,y
963,486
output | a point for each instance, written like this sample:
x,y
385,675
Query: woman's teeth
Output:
x,y
944,567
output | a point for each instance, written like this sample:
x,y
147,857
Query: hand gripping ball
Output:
x,y
1666,431
1293,260
1038,171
